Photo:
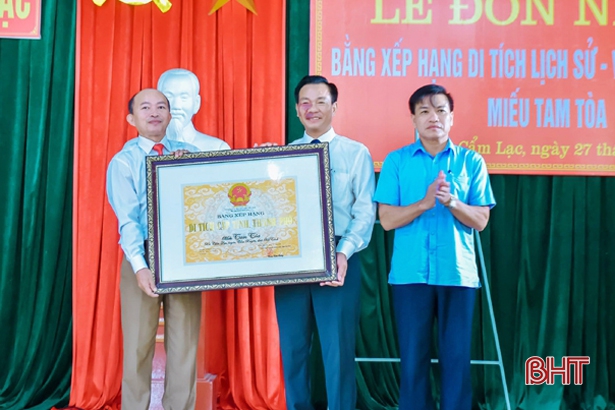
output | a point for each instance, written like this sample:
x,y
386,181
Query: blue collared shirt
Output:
x,y
435,248
353,184
127,192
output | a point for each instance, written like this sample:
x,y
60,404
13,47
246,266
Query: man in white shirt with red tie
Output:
x,y
140,307
332,306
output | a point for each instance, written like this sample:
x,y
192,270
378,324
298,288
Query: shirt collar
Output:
x,y
147,144
418,146
326,137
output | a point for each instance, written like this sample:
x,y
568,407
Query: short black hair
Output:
x,y
131,102
429,90
316,79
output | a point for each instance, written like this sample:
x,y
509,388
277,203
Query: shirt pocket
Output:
x,y
460,187
340,184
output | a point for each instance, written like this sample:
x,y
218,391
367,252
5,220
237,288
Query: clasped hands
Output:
x,y
440,189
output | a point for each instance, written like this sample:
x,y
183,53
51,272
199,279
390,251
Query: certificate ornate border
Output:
x,y
155,163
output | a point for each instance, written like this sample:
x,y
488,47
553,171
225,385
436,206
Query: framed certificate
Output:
x,y
240,218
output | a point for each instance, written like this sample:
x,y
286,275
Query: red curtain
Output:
x,y
239,59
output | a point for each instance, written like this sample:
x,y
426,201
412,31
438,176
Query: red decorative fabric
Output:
x,y
239,59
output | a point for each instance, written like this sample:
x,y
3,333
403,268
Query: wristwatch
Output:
x,y
452,203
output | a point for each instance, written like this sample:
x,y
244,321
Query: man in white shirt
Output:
x,y
182,88
140,306
332,306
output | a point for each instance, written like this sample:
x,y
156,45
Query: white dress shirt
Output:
x,y
353,185
127,192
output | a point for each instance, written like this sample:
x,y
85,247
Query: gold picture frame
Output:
x,y
240,218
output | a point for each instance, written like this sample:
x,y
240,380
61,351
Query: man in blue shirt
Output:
x,y
140,305
434,194
332,306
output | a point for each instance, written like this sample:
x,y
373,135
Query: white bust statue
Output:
x,y
182,88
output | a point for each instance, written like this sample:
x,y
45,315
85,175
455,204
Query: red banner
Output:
x,y
20,18
533,80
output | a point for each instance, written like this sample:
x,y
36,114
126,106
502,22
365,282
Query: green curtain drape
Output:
x,y
550,258
549,250
36,140
297,60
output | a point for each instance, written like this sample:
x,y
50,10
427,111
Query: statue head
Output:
x,y
182,88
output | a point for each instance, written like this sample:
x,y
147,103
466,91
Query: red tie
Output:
x,y
159,148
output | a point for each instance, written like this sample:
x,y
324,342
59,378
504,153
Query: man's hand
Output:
x,y
146,282
429,201
443,192
179,152
342,267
